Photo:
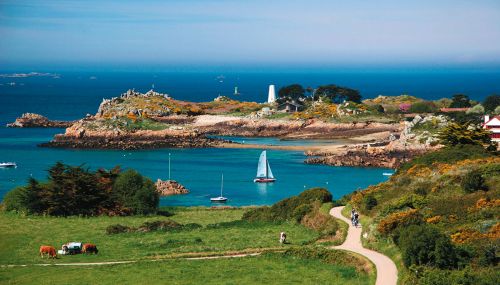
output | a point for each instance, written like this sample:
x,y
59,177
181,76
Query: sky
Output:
x,y
257,32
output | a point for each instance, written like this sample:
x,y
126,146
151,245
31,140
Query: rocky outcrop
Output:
x,y
289,129
170,187
31,120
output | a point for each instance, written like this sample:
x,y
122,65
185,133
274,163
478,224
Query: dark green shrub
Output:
x,y
369,202
117,229
425,245
423,107
15,200
291,208
473,181
163,225
301,211
133,191
315,194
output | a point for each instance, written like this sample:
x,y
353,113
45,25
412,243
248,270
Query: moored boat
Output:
x,y
264,173
8,164
220,199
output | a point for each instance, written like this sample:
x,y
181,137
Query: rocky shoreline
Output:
x,y
32,120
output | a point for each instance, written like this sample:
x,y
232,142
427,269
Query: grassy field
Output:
x,y
267,269
157,252
22,235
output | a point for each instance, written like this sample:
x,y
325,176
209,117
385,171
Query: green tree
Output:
x,y
477,109
491,102
425,245
133,191
460,101
292,92
455,134
338,94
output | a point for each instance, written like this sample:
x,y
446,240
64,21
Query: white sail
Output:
x,y
269,172
262,167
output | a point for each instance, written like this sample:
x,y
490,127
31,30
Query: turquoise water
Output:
x,y
198,169
273,141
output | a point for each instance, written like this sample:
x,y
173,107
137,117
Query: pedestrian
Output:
x,y
282,237
356,219
353,212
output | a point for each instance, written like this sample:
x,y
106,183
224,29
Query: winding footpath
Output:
x,y
387,273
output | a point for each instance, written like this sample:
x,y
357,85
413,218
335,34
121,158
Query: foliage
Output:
x,y
338,94
477,109
497,110
404,107
468,276
304,208
369,202
135,192
400,219
455,134
491,102
473,181
423,107
460,101
292,92
447,155
425,245
329,256
75,190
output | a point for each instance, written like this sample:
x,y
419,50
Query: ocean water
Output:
x,y
199,170
75,94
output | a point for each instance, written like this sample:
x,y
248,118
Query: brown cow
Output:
x,y
89,248
48,250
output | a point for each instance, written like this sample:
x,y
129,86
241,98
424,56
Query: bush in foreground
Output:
x,y
75,190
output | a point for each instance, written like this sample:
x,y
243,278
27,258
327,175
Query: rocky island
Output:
x,y
31,120
137,120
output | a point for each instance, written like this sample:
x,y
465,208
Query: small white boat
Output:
x,y
236,91
264,173
387,174
8,164
220,199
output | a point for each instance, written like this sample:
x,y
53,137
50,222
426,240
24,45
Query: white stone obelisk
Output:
x,y
271,97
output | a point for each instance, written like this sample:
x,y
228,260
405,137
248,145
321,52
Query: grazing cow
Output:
x,y
48,250
89,248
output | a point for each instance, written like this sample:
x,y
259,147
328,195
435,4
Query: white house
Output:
x,y
493,124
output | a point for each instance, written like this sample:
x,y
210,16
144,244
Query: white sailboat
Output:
x,y
220,199
236,91
264,173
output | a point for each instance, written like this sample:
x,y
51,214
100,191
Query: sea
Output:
x,y
71,95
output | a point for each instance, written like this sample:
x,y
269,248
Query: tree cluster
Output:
x,y
334,93
75,190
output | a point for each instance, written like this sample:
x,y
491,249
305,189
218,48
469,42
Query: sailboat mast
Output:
x,y
222,184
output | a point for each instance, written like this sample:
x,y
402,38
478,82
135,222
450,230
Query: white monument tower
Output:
x,y
271,97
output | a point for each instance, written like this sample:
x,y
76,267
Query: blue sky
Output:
x,y
191,32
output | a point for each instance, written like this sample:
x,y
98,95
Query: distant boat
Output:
x,y
220,199
264,173
236,91
8,164
387,174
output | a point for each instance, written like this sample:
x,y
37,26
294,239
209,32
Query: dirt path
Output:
x,y
231,255
387,273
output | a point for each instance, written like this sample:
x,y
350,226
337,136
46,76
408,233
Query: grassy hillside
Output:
x,y
438,217
267,269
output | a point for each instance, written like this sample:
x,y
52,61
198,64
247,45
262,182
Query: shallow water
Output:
x,y
198,169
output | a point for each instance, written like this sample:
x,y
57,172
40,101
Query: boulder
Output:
x,y
170,187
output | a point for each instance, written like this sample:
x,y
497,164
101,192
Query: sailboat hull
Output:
x,y
264,180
